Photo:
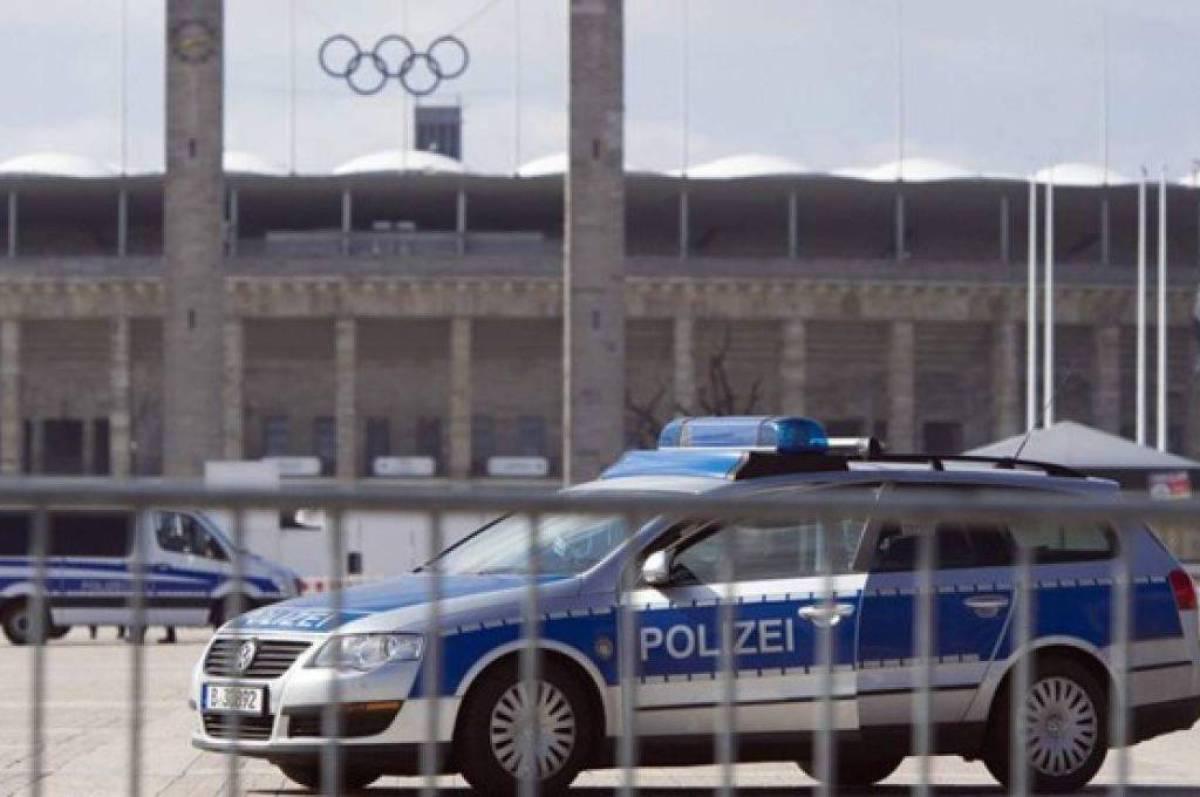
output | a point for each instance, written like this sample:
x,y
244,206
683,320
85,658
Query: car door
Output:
x,y
186,568
769,576
971,606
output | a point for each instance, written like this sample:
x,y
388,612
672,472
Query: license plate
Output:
x,y
235,699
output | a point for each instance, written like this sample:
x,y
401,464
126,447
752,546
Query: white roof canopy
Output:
x,y
1075,445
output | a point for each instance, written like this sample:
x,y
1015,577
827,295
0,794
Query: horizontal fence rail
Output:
x,y
539,713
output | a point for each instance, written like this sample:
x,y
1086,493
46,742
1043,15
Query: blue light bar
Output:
x,y
787,435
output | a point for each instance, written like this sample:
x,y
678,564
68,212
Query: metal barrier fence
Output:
x,y
618,712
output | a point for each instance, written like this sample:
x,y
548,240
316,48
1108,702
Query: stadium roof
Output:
x,y
242,162
399,160
56,164
910,170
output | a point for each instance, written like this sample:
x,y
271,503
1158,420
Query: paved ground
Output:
x,y
87,748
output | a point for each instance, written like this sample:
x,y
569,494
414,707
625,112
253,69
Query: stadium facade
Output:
x,y
401,305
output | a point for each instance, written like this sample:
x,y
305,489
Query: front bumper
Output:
x,y
375,710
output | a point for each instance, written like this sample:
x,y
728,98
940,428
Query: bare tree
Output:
x,y
716,397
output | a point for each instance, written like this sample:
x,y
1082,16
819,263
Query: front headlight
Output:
x,y
367,652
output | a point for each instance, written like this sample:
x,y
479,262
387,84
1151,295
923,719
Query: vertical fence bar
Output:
x,y
432,675
628,668
826,752
234,607
726,602
1023,599
925,596
331,714
136,636
1119,659
529,665
38,631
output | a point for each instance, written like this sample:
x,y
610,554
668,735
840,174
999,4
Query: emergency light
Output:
x,y
786,435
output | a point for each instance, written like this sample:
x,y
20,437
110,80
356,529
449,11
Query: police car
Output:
x,y
187,571
263,682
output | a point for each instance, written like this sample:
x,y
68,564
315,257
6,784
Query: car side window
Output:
x,y
765,551
169,533
958,545
180,533
203,543
1056,542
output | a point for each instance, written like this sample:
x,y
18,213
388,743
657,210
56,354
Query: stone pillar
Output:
x,y
902,381
684,384
1006,391
192,243
794,371
594,266
233,389
461,401
87,465
119,412
1106,397
346,403
37,445
11,427
12,224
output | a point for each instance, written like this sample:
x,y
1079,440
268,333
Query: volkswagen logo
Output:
x,y
245,656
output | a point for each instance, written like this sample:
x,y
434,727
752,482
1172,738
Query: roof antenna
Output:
x,y
1067,377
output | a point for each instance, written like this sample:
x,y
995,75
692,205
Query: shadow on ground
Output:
x,y
790,791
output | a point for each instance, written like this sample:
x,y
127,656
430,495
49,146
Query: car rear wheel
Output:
x,y
856,768
1066,725
498,722
308,775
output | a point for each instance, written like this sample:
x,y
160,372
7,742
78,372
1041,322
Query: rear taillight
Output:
x,y
1184,590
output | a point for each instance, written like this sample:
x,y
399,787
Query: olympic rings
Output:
x,y
367,71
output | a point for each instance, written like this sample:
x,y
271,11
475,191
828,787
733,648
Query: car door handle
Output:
x,y
986,605
826,615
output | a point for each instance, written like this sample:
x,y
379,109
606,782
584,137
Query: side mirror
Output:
x,y
656,570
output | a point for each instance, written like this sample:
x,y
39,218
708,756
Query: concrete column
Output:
x,y
685,364
12,223
460,220
88,447
233,389
461,400
37,445
793,224
794,370
594,267
193,324
900,230
1106,397
347,219
11,427
235,221
1005,225
902,382
1007,397
123,222
346,403
119,411
685,223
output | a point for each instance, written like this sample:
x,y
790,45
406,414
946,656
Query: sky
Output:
x,y
993,86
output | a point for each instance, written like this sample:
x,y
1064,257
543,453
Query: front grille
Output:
x,y
251,729
272,660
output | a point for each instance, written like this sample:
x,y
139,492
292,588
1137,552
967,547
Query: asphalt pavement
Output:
x,y
87,740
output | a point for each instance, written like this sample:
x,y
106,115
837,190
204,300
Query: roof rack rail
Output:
x,y
937,462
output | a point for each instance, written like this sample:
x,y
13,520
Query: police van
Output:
x,y
187,571
262,684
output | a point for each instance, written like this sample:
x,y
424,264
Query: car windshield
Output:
x,y
567,544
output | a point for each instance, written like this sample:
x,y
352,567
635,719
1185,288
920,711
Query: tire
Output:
x,y
16,621
1068,731
856,768
487,745
59,631
308,775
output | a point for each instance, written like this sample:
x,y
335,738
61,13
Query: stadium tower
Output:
x,y
594,266
192,237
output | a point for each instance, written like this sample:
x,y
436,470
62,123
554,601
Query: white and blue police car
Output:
x,y
187,576
273,668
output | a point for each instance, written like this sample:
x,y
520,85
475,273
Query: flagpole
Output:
x,y
1140,365
1161,409
1048,391
1031,403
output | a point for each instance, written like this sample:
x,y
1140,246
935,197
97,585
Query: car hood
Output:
x,y
327,611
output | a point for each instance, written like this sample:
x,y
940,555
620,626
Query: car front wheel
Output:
x,y
1065,711
511,730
